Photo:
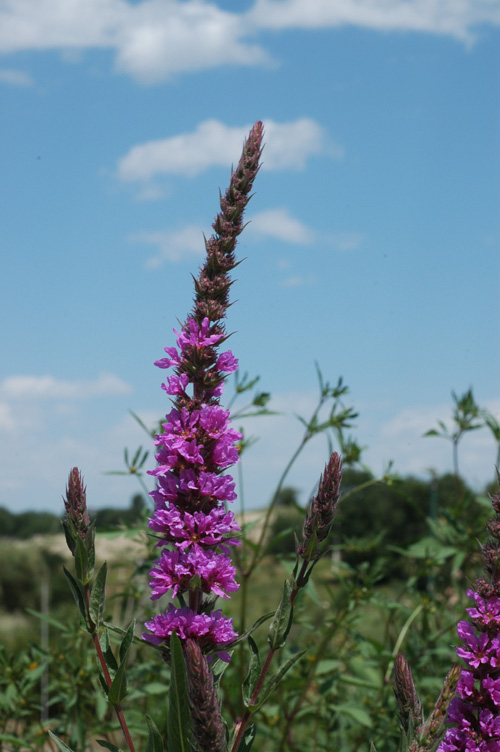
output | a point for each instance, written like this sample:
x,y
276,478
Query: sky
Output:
x,y
372,247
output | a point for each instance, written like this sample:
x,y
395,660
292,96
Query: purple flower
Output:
x,y
198,443
176,570
492,686
186,529
176,385
487,612
210,630
478,647
475,712
227,362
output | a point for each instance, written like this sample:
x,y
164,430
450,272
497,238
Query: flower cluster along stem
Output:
x,y
475,712
194,528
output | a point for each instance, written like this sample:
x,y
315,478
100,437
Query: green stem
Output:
x,y
401,637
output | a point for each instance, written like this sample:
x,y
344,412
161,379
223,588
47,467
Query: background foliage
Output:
x,y
403,550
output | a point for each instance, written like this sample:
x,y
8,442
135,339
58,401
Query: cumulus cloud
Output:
x,y
172,246
151,40
214,144
13,77
447,17
414,453
279,224
174,37
47,387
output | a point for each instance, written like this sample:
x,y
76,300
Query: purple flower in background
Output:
x,y
475,713
193,526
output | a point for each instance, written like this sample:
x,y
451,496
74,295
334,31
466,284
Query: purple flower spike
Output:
x,y
475,713
198,444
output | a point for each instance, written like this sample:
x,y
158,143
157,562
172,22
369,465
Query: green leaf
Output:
x,y
98,596
274,680
77,591
154,688
282,620
62,746
218,668
155,742
358,714
252,629
118,688
81,561
127,642
108,745
47,618
179,719
248,739
108,653
13,740
253,672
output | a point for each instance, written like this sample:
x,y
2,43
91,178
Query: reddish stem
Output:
x,y
265,668
107,677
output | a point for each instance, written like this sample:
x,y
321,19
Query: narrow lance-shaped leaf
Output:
x,y
118,688
179,720
274,680
77,591
282,620
81,561
108,745
155,742
108,653
60,744
253,672
248,739
127,642
98,596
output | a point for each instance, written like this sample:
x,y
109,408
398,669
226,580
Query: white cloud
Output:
x,y
47,387
151,192
173,37
172,246
346,241
7,421
298,281
388,433
289,145
214,144
403,435
279,224
456,18
13,77
152,39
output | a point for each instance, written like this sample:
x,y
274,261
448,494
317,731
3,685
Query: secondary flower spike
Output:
x,y
198,444
322,511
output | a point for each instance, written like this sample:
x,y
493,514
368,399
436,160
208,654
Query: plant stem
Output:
x,y
244,721
107,677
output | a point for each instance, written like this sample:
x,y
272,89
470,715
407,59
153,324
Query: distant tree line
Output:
x,y
26,524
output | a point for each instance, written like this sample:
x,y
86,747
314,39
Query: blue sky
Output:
x,y
373,243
